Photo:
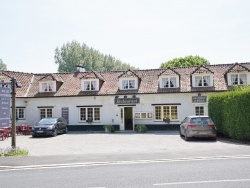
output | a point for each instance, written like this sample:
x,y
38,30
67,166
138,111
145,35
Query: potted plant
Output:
x,y
141,128
109,128
166,120
89,120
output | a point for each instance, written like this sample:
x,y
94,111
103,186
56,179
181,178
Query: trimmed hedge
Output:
x,y
230,112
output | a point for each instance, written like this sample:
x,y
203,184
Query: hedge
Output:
x,y
230,112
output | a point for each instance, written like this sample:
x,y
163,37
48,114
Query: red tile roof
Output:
x,y
70,83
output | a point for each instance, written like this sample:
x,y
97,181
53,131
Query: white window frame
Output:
x,y
169,79
93,114
48,112
205,79
163,114
49,86
239,77
143,115
90,85
199,112
18,113
128,83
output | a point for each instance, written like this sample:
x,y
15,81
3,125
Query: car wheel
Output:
x,y
34,136
66,130
180,133
55,132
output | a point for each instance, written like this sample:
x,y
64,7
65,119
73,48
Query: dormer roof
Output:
x,y
169,72
237,68
202,70
93,75
51,77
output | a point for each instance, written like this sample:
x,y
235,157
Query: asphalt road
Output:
x,y
208,172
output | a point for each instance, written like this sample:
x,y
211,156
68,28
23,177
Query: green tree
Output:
x,y
185,62
2,65
73,54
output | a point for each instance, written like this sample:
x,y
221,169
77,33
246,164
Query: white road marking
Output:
x,y
70,165
199,182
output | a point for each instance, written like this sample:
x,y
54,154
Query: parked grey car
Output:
x,y
197,126
50,126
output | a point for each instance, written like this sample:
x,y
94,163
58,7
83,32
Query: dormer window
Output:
x,y
48,86
128,83
238,79
202,80
169,82
90,85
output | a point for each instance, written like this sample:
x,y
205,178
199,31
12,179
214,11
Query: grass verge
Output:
x,y
13,152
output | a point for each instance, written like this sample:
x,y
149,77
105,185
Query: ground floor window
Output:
x,y
166,111
199,110
45,112
89,113
20,113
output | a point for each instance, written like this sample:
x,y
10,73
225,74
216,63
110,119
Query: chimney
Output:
x,y
80,68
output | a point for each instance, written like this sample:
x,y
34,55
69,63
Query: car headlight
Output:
x,y
50,127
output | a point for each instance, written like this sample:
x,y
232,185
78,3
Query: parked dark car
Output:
x,y
50,126
197,126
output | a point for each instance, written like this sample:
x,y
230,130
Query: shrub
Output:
x,y
109,128
141,128
230,112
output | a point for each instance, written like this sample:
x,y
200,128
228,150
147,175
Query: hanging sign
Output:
x,y
4,107
199,99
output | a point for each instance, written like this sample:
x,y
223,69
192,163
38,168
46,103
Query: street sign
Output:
x,y
4,107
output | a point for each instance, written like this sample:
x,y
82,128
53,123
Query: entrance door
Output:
x,y
128,116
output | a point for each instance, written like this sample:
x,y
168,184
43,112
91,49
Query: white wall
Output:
x,y
110,112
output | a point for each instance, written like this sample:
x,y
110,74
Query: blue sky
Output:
x,y
143,33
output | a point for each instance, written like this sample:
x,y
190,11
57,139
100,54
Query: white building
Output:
x,y
89,100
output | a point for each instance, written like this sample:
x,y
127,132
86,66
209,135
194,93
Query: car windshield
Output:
x,y
47,121
202,120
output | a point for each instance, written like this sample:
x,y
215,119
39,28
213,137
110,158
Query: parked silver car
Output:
x,y
197,126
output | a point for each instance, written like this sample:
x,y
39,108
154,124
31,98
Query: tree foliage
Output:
x,y
74,54
2,65
185,62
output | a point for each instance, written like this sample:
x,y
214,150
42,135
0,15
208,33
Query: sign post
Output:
x,y
13,96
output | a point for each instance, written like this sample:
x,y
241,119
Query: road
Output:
x,y
160,159
219,172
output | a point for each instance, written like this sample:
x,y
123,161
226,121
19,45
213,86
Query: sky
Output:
x,y
142,33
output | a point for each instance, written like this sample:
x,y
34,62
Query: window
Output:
x,y
128,84
169,82
20,113
199,110
143,115
239,79
89,113
47,87
90,85
202,81
166,111
45,112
